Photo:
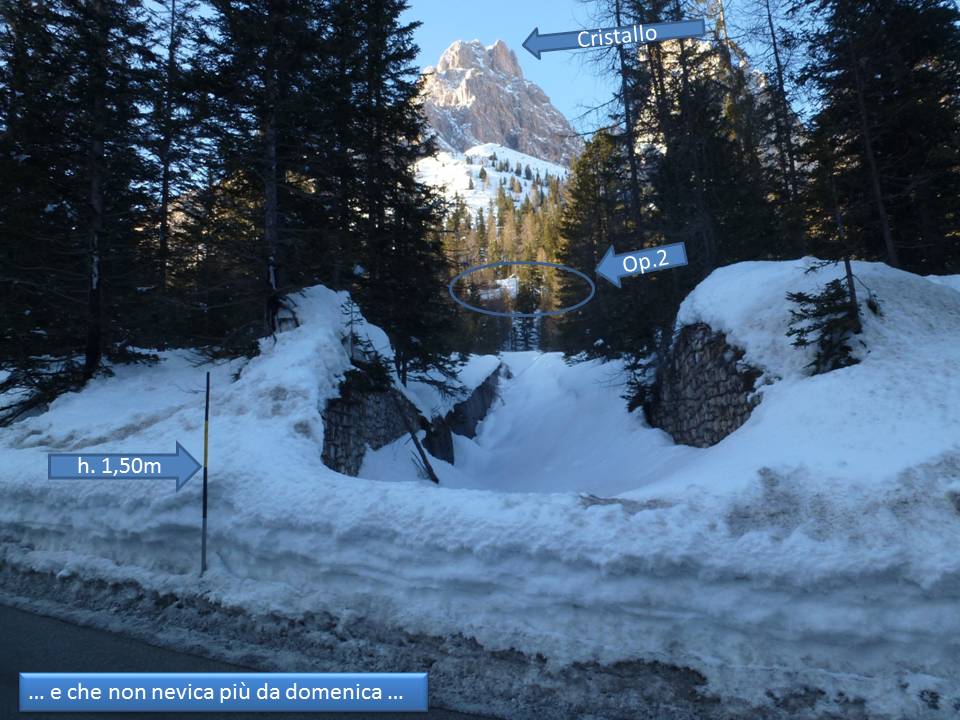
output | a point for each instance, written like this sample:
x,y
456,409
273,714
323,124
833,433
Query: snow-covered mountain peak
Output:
x,y
477,94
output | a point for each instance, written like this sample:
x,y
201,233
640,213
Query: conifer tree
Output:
x,y
75,75
259,63
404,286
827,319
595,217
887,73
171,122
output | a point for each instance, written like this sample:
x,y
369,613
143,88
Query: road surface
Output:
x,y
33,643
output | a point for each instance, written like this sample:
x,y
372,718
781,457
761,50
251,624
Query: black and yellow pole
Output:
x,y
206,439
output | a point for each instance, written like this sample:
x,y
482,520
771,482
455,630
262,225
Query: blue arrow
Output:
x,y
179,466
606,37
640,262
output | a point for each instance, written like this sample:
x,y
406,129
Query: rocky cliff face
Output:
x,y
478,94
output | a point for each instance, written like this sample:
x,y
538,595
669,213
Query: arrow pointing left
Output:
x,y
179,466
613,267
537,42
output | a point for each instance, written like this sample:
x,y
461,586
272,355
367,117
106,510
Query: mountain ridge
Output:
x,y
477,94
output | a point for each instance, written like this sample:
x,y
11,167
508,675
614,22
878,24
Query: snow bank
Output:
x,y
951,281
862,424
813,548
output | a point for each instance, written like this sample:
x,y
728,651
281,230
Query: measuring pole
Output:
x,y
206,438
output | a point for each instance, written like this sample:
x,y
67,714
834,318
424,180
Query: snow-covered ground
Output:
x,y
816,547
556,428
452,173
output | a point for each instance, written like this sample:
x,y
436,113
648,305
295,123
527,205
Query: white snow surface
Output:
x,y
504,288
951,281
450,173
862,424
556,428
815,546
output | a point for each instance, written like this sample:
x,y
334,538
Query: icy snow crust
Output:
x,y
816,547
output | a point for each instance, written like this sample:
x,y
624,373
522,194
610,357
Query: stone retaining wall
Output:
x,y
369,414
364,415
703,391
463,418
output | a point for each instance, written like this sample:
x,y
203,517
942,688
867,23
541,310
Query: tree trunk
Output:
x,y
94,344
855,324
693,143
412,432
165,144
788,162
658,86
93,354
630,129
401,365
933,242
867,140
271,220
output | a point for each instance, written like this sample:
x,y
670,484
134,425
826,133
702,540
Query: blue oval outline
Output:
x,y
538,313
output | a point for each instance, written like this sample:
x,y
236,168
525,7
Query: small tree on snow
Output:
x,y
829,320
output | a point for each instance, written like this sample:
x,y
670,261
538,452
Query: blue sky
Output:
x,y
568,78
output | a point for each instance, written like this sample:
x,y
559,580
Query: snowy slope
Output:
x,y
813,548
952,281
452,172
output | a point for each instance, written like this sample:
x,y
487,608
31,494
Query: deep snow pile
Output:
x,y
863,424
815,547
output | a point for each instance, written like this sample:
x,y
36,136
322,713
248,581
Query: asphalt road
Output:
x,y
33,643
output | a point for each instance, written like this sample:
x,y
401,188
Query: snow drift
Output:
x,y
812,550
